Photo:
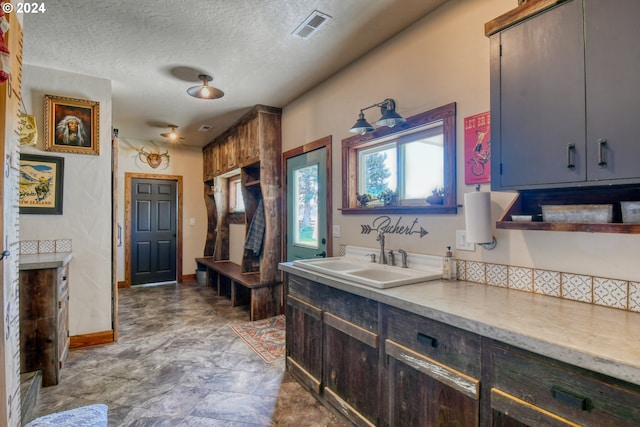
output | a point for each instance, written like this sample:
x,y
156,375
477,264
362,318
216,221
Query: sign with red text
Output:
x,y
477,149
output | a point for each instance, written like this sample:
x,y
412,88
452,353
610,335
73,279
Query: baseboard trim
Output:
x,y
124,284
90,340
188,278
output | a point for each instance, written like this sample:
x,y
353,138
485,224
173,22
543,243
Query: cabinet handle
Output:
x,y
426,339
601,144
570,164
582,403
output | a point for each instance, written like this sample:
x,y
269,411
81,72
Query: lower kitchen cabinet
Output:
x,y
44,321
380,365
532,390
351,375
433,374
332,347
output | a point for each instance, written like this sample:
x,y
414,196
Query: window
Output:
x,y
406,164
410,165
236,202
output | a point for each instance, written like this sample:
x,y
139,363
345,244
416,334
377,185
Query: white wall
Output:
x,y
443,58
184,161
86,218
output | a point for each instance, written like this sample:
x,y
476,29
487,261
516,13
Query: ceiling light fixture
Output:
x,y
205,91
389,117
172,134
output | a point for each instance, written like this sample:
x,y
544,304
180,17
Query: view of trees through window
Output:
x,y
410,166
306,189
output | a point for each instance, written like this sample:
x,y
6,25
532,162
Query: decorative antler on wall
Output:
x,y
153,158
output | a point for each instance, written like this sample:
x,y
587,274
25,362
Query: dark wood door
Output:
x,y
153,230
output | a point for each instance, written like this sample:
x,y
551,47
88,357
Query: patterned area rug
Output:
x,y
266,337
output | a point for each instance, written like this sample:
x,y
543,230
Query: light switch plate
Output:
x,y
335,232
461,241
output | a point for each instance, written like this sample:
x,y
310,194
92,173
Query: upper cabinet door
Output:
x,y
613,97
538,94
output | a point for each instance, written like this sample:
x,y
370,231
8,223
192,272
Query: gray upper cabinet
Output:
x,y
564,97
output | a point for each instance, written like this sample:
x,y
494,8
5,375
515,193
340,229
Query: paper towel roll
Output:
x,y
477,217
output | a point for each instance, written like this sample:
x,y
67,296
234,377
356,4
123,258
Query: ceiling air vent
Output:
x,y
205,128
311,25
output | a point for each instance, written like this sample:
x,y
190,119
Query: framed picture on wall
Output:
x,y
41,179
71,125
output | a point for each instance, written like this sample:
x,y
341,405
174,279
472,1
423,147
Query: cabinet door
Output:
x,y
304,342
351,377
538,94
250,145
613,102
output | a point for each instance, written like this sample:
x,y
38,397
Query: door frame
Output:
x,y
128,179
326,143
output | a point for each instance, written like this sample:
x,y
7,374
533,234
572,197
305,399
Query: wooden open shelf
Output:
x,y
529,202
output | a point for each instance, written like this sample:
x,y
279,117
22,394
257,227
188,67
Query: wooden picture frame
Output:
x,y
41,184
71,125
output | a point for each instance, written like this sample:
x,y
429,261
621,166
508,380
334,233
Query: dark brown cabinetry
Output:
x,y
434,372
44,321
563,98
531,390
426,373
252,148
333,347
381,365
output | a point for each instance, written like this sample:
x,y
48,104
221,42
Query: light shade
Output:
x,y
389,116
361,126
205,91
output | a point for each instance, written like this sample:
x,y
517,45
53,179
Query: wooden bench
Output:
x,y
264,298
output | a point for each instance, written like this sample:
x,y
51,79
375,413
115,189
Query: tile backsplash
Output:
x,y
30,247
603,291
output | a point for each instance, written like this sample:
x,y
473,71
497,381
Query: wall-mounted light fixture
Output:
x,y
205,91
389,117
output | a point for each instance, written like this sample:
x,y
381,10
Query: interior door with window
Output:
x,y
307,205
153,230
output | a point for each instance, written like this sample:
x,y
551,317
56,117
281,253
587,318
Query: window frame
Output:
x,y
352,145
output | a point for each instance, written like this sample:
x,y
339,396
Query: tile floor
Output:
x,y
178,363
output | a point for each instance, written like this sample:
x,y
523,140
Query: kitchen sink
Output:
x,y
369,274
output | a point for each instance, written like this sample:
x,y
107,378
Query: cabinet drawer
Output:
x,y
449,345
569,392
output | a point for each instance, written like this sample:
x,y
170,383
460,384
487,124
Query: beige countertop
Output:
x,y
42,261
593,337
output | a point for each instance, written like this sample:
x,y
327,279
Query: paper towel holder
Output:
x,y
490,245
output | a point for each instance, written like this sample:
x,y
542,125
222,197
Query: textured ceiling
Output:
x,y
153,50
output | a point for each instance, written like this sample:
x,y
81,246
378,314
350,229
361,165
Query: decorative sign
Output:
x,y
477,149
385,225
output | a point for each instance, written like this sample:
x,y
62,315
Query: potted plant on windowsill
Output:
x,y
436,197
388,197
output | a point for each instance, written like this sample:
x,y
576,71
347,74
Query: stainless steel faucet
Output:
x,y
382,258
391,258
404,258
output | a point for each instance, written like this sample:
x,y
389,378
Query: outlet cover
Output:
x,y
461,241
